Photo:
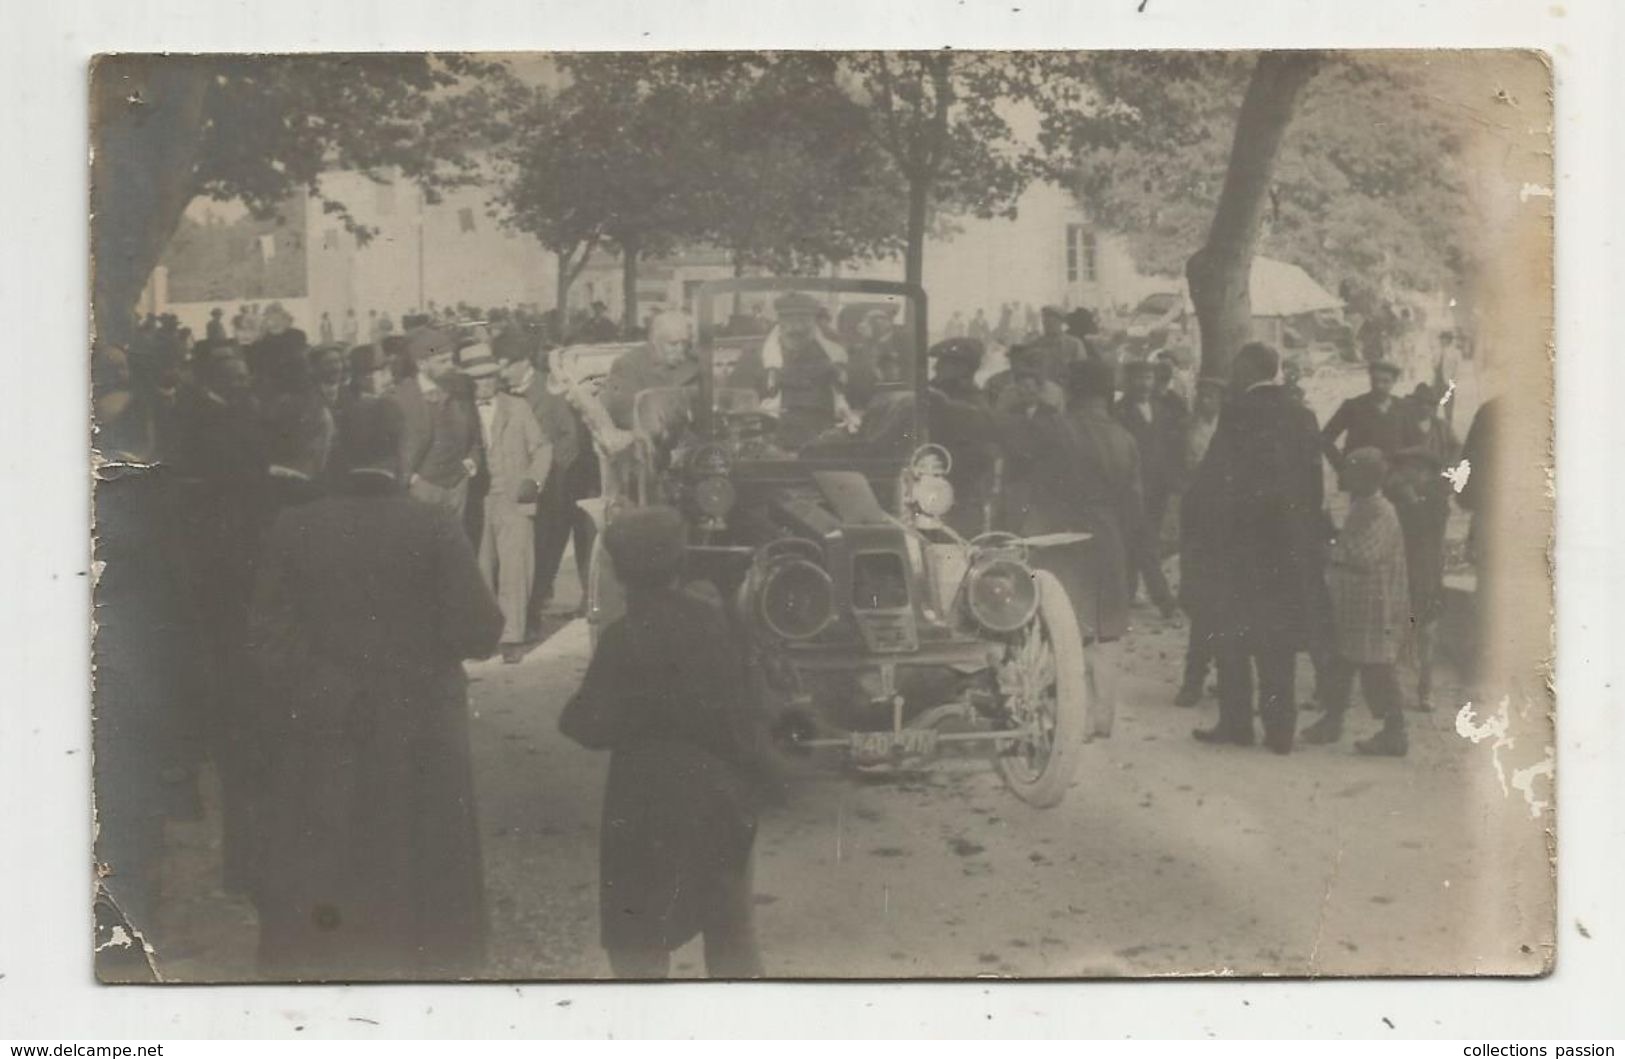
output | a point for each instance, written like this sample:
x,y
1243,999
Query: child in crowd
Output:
x,y
1365,574
666,696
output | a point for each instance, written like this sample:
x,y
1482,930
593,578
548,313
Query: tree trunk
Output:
x,y
147,124
1220,271
561,292
629,286
919,201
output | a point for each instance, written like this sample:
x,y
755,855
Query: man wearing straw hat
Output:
x,y
514,460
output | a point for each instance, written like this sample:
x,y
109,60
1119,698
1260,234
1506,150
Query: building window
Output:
x,y
465,219
384,198
330,239
1082,254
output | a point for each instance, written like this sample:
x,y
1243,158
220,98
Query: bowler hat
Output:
x,y
963,350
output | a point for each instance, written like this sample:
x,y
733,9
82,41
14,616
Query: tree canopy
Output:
x,y
1368,184
255,128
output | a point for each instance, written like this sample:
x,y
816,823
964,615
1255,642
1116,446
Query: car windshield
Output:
x,y
812,374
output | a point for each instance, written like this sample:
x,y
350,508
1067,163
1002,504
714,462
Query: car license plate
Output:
x,y
879,746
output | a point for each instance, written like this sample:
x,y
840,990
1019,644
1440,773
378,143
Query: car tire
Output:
x,y
1045,785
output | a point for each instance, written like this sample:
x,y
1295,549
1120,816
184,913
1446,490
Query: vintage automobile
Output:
x,y
872,628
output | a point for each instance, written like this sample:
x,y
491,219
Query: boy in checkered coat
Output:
x,y
1365,573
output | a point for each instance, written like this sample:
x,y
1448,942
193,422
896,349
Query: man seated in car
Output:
x,y
799,371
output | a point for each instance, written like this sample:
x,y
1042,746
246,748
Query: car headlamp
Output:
x,y
713,496
1001,594
929,489
797,599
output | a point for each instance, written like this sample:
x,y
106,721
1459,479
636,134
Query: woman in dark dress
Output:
x,y
665,694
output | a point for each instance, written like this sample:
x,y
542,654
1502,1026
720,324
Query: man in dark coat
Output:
x,y
1056,350
277,357
959,418
1420,494
298,432
1259,494
365,605
666,695
1075,474
220,460
1159,434
1376,419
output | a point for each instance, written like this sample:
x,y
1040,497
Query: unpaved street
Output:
x,y
1167,857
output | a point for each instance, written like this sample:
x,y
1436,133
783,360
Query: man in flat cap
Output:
x,y
1056,349
959,417
665,694
809,377
1376,419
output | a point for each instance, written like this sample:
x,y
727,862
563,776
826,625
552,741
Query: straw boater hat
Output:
x,y
477,362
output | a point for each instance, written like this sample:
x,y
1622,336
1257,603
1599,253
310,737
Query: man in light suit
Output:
x,y
515,457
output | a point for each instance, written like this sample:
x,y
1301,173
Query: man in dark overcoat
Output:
x,y
1070,478
298,433
1259,494
1159,436
960,419
366,602
666,695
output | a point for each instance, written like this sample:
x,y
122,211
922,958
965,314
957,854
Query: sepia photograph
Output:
x,y
807,515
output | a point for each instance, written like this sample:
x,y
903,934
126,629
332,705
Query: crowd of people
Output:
x,y
342,523
307,539
1264,573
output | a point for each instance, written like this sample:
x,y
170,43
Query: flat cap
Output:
x,y
792,303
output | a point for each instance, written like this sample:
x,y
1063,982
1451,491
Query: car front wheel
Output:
x,y
1044,685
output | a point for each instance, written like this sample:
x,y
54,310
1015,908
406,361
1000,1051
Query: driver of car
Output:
x,y
799,373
